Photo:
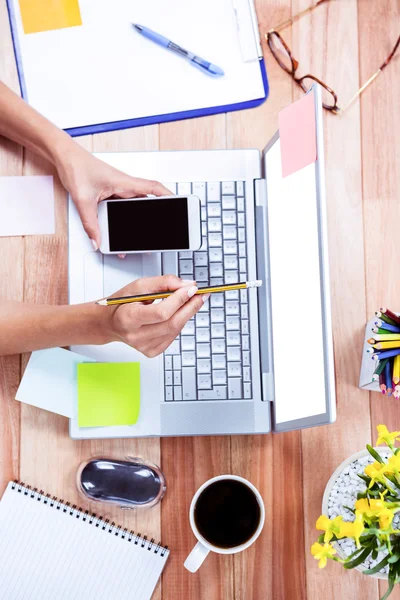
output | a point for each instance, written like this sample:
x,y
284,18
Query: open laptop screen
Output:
x,y
301,365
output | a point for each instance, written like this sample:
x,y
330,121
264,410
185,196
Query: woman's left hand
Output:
x,y
89,181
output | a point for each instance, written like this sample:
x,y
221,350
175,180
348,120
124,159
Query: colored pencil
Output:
x,y
396,369
382,384
387,326
379,331
391,315
386,345
380,354
380,368
384,318
388,377
159,295
385,337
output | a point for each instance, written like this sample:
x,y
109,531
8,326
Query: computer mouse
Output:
x,y
130,483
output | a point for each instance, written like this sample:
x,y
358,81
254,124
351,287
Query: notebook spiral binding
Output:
x,y
91,518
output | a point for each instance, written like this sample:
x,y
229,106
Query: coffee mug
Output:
x,y
226,515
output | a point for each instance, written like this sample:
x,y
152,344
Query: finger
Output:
x,y
179,319
128,187
151,285
88,214
163,311
159,346
173,326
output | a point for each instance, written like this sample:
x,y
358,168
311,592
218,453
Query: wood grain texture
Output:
x,y
380,126
193,461
11,280
342,43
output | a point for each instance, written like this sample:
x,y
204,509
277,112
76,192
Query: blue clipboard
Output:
x,y
128,123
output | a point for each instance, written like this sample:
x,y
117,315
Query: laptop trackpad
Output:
x,y
119,272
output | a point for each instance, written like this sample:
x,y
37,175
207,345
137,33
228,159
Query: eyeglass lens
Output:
x,y
328,99
280,52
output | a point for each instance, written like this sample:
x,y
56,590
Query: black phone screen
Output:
x,y
142,225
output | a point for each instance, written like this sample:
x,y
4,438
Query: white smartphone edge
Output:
x,y
194,225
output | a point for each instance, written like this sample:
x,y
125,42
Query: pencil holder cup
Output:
x,y
367,364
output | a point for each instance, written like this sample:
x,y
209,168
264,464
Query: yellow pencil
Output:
x,y
396,369
386,345
384,337
160,295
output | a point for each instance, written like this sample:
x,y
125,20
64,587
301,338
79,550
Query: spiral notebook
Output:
x,y
50,549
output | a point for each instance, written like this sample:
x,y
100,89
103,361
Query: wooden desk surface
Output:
x,y
342,43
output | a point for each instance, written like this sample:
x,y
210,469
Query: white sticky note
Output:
x,y
50,381
26,205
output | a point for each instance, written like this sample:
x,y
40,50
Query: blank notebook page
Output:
x,y
49,550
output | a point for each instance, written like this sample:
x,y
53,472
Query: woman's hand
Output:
x,y
151,328
90,180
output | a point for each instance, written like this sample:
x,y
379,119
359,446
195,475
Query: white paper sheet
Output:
x,y
49,381
48,552
26,205
299,368
104,71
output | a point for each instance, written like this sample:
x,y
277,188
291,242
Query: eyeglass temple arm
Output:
x,y
373,77
296,17
360,91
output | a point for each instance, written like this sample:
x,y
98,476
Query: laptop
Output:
x,y
250,361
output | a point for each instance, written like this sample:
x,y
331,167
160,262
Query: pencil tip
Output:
x,y
102,302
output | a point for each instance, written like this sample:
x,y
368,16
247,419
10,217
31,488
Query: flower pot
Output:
x,y
329,489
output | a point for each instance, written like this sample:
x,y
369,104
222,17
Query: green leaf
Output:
x,y
375,454
360,558
364,478
390,589
394,558
393,479
350,509
354,554
374,554
378,567
321,538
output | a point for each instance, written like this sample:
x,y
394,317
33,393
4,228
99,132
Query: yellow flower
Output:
x,y
370,508
385,518
377,473
354,529
386,437
322,553
393,464
331,528
378,509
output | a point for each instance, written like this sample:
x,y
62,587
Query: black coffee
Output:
x,y
227,513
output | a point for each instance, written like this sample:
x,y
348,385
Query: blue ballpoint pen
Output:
x,y
196,61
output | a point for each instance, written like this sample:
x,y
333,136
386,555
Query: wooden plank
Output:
x,y
325,43
380,127
11,279
262,572
188,462
146,521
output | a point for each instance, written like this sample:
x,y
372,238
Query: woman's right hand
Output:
x,y
151,328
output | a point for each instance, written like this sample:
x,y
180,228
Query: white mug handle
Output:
x,y
196,557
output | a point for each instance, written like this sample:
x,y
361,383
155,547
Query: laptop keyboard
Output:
x,y
210,360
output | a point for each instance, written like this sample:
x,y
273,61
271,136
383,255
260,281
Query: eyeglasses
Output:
x,y
284,57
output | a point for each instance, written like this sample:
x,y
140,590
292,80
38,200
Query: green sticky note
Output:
x,y
108,394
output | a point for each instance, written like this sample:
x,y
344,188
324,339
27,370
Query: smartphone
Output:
x,y
162,224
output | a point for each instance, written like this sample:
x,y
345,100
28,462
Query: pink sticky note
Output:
x,y
297,132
